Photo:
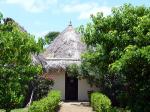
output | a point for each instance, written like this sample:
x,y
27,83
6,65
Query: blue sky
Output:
x,y
39,17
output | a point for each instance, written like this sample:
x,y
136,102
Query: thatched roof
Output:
x,y
63,51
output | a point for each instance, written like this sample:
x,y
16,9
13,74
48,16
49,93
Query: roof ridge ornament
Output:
x,y
70,23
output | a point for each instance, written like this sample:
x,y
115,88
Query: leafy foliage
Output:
x,y
16,68
100,102
47,104
20,110
50,37
41,87
117,59
2,110
115,109
1,16
73,70
135,65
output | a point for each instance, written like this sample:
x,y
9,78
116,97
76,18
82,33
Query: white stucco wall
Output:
x,y
59,82
83,88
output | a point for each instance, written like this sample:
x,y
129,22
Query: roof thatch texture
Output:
x,y
63,51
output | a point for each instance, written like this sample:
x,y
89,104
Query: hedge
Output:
x,y
100,102
47,104
2,110
20,110
116,109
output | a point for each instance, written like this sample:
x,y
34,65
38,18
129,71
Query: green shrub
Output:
x,y
47,104
2,110
41,85
100,102
20,110
116,109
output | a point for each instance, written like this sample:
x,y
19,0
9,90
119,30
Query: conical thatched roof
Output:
x,y
63,51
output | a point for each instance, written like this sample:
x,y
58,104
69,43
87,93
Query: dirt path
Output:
x,y
75,107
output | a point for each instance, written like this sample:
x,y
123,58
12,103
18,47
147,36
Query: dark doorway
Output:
x,y
71,88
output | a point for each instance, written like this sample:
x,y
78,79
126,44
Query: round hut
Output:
x,y
65,50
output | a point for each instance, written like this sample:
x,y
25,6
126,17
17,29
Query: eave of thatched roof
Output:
x,y
63,51
53,64
61,64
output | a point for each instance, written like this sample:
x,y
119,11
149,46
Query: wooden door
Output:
x,y
71,88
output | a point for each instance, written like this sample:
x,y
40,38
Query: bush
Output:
x,y
16,65
47,104
42,86
20,110
2,110
116,109
100,102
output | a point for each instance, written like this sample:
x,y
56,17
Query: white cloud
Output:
x,y
86,9
34,6
77,7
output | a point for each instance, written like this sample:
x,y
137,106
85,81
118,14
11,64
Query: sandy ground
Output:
x,y
75,107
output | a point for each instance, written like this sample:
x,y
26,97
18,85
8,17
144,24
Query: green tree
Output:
x,y
50,37
118,55
16,68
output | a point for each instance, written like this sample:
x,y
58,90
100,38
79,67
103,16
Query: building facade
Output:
x,y
66,49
